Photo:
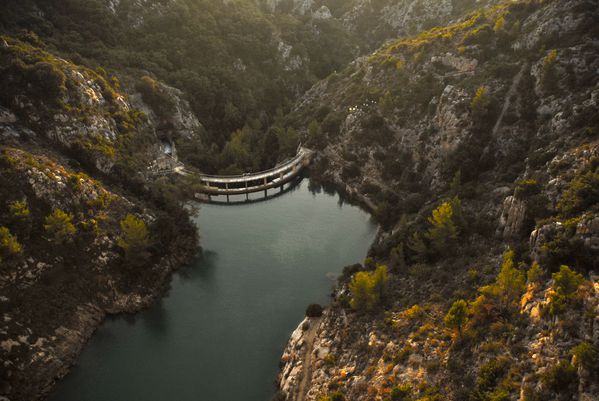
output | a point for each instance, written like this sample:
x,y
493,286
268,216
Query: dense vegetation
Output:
x,y
473,143
224,55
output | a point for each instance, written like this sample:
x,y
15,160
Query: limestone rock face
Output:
x,y
181,122
512,218
401,123
461,64
402,14
290,61
588,231
302,7
322,13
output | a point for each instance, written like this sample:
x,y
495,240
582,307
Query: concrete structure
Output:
x,y
248,183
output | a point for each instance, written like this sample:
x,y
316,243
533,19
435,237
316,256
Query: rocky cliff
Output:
x,y
75,166
490,121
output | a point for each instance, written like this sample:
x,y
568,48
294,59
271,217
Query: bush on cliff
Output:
x,y
457,316
134,239
59,226
368,289
314,310
9,246
566,283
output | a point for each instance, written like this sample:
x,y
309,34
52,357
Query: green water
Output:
x,y
219,332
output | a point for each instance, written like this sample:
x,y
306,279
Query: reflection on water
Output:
x,y
219,332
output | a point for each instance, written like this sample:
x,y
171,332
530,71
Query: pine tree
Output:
x,y
457,316
134,239
59,225
443,231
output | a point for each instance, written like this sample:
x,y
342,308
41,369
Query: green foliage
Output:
x,y
582,192
527,188
418,247
549,78
443,232
314,310
288,140
481,35
237,151
27,71
403,392
501,296
510,281
397,259
488,378
535,274
335,396
499,24
59,226
566,283
586,356
457,316
156,97
368,289
315,135
221,55
134,239
561,377
8,243
480,102
50,78
19,209
386,103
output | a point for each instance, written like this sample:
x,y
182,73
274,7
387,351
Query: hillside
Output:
x,y
469,129
240,64
475,145
85,228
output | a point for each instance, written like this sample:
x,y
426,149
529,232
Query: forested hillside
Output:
x,y
241,65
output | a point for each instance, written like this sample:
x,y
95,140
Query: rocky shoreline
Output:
x,y
60,352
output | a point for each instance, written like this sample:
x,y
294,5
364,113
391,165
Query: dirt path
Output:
x,y
309,337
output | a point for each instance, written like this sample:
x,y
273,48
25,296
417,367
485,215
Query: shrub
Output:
x,y
457,316
582,192
8,243
566,283
549,78
315,135
368,288
19,209
335,396
586,356
481,101
527,188
156,97
443,231
350,171
560,378
488,378
481,36
314,310
402,392
499,24
134,239
59,225
535,274
509,284
49,79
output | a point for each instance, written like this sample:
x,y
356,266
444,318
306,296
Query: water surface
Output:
x,y
219,333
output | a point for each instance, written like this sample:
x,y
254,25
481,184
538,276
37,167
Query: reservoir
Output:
x,y
218,334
